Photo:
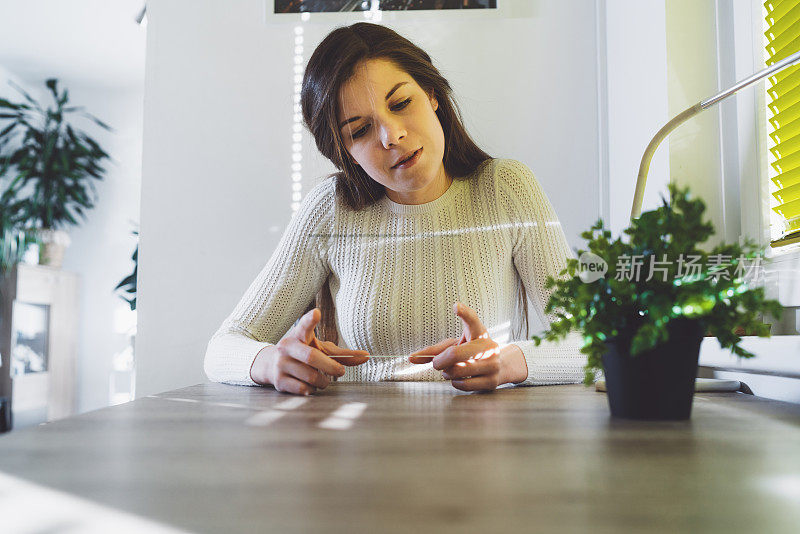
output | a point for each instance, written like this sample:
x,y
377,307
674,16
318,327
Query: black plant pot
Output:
x,y
5,414
657,384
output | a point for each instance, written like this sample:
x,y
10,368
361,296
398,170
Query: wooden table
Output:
x,y
411,457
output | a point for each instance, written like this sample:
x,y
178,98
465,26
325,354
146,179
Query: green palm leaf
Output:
x,y
57,162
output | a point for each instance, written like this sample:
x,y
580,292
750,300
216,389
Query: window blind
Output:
x,y
783,100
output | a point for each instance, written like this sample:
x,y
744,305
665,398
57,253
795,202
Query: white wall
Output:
x,y
217,144
636,56
8,92
102,245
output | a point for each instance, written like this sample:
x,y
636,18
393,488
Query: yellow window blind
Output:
x,y
783,100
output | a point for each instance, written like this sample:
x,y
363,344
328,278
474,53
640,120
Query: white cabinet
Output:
x,y
40,343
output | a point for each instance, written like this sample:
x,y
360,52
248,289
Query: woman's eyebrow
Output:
x,y
388,95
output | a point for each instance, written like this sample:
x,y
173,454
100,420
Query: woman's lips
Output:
x,y
410,162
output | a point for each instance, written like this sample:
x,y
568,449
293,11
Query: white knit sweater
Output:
x,y
396,271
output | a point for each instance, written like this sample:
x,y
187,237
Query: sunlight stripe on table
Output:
x,y
343,417
268,417
290,404
228,405
210,403
265,418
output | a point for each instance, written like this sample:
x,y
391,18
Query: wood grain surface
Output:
x,y
423,457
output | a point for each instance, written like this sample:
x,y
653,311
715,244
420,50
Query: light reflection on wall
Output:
x,y
297,120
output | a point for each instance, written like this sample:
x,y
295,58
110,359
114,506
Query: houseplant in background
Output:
x,y
124,362
643,323
56,162
14,237
128,284
13,241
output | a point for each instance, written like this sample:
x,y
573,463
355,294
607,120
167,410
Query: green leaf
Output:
x,y
57,164
98,121
645,308
28,97
7,129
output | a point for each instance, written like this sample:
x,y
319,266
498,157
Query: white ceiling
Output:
x,y
92,42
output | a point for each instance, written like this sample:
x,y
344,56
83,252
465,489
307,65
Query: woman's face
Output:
x,y
384,116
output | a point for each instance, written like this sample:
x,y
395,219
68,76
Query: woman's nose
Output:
x,y
391,133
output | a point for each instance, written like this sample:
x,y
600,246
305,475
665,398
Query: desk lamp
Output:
x,y
708,383
688,114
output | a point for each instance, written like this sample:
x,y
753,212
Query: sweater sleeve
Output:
x,y
280,293
540,250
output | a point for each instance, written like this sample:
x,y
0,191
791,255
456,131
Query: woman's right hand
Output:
x,y
297,365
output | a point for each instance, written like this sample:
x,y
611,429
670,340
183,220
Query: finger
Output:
x,y
304,331
479,383
332,349
306,373
351,361
315,358
344,356
480,367
473,327
290,384
479,348
432,350
435,349
317,345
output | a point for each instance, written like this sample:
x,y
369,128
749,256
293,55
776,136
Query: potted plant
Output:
x,y
57,165
128,284
643,323
13,241
14,238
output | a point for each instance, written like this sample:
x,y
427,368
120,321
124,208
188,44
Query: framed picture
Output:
x,y
335,6
335,12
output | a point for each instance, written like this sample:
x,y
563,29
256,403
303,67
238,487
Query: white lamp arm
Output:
x,y
682,117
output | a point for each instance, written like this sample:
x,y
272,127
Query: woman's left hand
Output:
x,y
475,362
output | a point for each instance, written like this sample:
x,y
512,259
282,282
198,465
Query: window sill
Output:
x,y
782,277
777,355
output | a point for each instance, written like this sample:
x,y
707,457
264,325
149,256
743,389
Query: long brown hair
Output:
x,y
331,65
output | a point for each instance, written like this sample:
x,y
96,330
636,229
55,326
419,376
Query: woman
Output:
x,y
418,244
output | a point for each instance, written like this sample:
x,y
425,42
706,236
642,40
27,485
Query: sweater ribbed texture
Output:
x,y
396,271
